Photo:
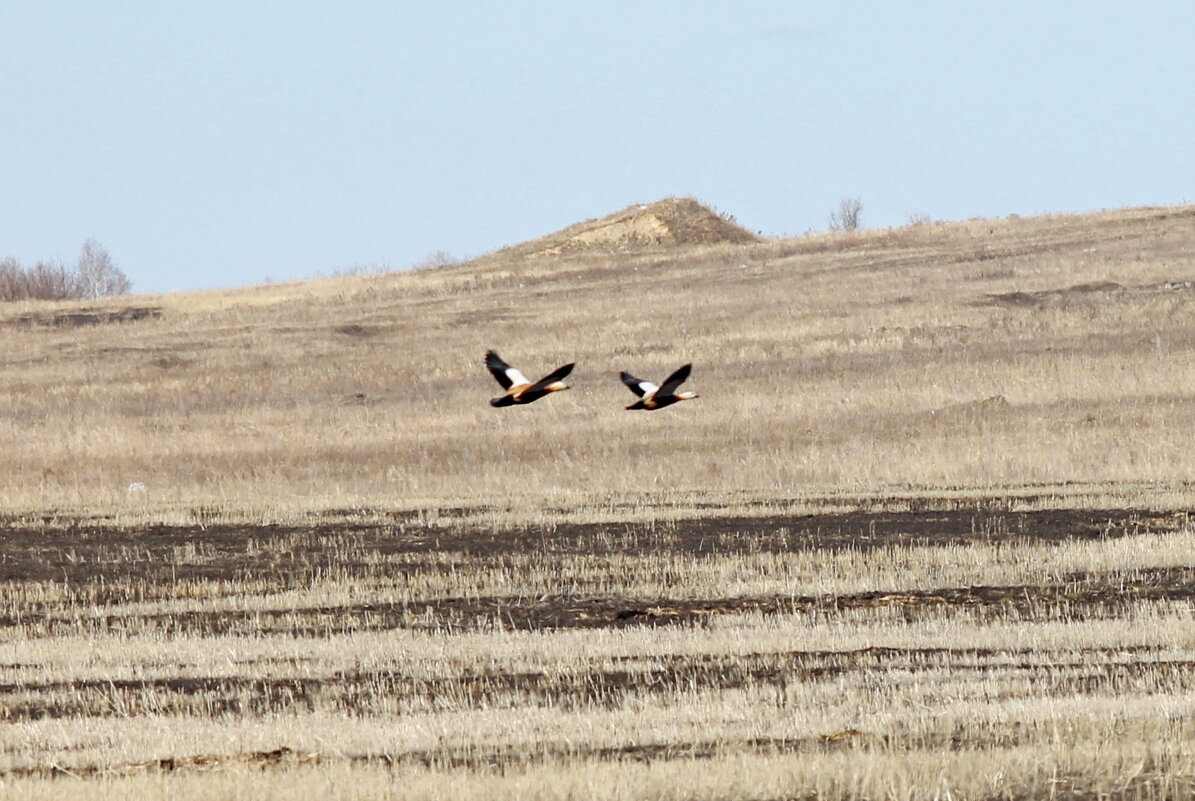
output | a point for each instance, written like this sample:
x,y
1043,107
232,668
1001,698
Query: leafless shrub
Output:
x,y
438,258
50,280
43,281
846,216
12,279
373,268
94,276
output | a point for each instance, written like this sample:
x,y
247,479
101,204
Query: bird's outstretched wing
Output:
x,y
552,377
506,375
638,386
675,380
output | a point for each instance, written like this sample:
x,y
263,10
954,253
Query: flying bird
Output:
x,y
653,397
519,388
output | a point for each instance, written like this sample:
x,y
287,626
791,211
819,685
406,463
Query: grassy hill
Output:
x,y
1054,353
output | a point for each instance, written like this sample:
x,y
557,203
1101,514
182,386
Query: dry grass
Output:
x,y
396,665
864,363
922,535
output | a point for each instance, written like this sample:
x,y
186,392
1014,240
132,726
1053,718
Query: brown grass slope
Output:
x,y
979,355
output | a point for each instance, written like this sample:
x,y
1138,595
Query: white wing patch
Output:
x,y
516,377
648,389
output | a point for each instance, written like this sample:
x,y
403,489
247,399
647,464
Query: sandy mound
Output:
x,y
668,223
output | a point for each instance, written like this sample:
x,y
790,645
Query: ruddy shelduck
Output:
x,y
519,388
653,397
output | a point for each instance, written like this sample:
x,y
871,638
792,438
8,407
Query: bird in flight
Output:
x,y
653,397
519,388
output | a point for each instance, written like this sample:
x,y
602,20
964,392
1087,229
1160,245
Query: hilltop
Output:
x,y
987,355
643,227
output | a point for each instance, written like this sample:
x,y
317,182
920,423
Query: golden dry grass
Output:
x,y
982,355
829,577
358,674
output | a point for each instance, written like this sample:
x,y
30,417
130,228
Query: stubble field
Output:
x,y
969,649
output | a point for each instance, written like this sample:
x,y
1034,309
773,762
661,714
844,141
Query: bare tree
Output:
x,y
97,276
846,216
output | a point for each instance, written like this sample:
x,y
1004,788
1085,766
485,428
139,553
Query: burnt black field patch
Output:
x,y
91,551
595,686
1075,598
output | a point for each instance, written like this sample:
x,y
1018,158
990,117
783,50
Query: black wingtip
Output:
x,y
632,383
497,368
556,375
676,379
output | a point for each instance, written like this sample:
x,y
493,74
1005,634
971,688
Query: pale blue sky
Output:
x,y
224,143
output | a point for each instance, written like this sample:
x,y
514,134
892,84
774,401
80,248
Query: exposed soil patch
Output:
x,y
84,317
358,331
170,362
1094,292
